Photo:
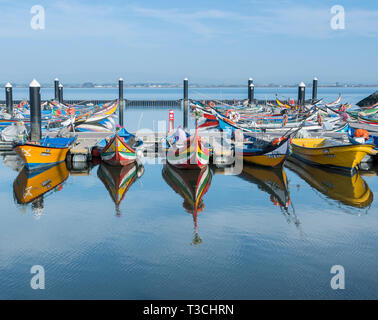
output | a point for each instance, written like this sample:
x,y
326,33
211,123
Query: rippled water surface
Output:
x,y
262,234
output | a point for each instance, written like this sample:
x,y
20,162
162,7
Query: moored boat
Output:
x,y
187,152
271,154
323,152
120,149
47,152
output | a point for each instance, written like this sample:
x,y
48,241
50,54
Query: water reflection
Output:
x,y
272,181
12,160
118,180
349,190
32,186
191,185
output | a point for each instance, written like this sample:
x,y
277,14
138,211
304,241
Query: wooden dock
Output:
x,y
86,141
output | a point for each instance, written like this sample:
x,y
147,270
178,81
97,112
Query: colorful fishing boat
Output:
x,y
191,185
47,152
271,154
187,152
102,113
118,180
120,149
104,125
372,120
349,190
325,152
30,185
334,103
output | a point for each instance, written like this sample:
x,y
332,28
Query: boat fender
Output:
x,y
140,171
285,119
139,153
277,140
70,111
232,115
320,119
361,133
344,116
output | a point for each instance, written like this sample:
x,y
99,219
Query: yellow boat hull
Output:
x,y
36,156
29,186
264,160
345,157
350,190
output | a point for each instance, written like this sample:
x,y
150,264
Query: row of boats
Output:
x,y
56,116
262,137
315,134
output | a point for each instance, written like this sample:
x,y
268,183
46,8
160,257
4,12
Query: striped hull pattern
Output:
x,y
366,120
118,180
208,124
35,156
102,114
117,152
192,155
92,115
268,158
192,185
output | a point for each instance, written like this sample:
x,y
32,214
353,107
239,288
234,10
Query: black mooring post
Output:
x,y
251,93
56,89
314,90
60,93
186,103
250,81
120,106
35,111
9,98
301,94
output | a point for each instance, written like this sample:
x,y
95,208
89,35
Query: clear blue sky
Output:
x,y
218,41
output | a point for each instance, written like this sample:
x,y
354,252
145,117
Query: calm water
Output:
x,y
263,234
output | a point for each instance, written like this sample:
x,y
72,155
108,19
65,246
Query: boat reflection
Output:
x,y
12,160
349,190
272,181
32,186
191,185
118,180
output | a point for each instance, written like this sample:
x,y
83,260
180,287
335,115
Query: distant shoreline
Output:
x,y
24,86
